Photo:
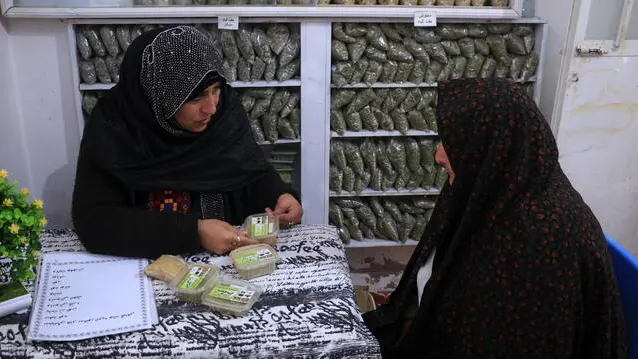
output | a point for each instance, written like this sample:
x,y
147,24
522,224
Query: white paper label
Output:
x,y
228,22
424,19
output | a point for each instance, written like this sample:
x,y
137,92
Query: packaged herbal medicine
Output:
x,y
194,281
255,260
263,227
234,297
166,268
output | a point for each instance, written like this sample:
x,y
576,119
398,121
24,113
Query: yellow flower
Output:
x,y
3,174
38,204
23,240
43,222
7,202
24,192
14,228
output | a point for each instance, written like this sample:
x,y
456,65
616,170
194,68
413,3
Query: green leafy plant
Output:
x,y
21,223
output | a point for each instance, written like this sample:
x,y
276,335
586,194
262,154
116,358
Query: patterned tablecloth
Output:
x,y
306,311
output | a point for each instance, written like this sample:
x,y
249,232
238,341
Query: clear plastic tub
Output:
x,y
255,261
232,296
166,268
263,227
194,281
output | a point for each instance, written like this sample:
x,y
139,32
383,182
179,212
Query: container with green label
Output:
x,y
232,296
263,227
194,281
254,260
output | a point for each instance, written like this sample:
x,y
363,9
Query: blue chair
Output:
x,y
626,268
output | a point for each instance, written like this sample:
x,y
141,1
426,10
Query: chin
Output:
x,y
199,129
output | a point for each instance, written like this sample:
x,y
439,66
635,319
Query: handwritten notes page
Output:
x,y
80,295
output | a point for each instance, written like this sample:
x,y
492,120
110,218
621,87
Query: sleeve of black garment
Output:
x,y
604,330
106,224
264,193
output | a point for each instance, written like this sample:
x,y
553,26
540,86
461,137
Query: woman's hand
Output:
x,y
288,210
220,237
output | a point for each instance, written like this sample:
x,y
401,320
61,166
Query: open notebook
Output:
x,y
81,295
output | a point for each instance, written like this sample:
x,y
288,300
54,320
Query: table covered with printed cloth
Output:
x,y
307,311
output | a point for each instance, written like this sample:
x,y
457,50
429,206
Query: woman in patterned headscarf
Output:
x,y
168,162
513,263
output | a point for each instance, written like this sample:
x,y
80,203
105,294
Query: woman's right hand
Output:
x,y
220,237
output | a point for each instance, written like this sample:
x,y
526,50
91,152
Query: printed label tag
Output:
x,y
260,226
232,293
424,19
228,22
193,278
254,256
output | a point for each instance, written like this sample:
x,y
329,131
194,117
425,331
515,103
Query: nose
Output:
x,y
209,104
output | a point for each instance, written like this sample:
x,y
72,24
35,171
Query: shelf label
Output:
x,y
424,19
228,22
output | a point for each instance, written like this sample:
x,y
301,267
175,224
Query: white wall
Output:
x,y
598,140
13,147
41,132
597,129
558,16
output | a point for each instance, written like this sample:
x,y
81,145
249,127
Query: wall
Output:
x,y
42,136
597,139
598,127
13,147
558,16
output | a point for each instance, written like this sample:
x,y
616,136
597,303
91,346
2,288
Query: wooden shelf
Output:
x,y
361,85
382,133
279,142
235,84
328,12
391,192
385,85
371,243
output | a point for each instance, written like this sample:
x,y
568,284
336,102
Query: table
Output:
x,y
306,311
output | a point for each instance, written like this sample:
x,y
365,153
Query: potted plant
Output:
x,y
21,223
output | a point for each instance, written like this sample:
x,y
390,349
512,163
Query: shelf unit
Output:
x,y
400,194
433,191
314,82
236,84
401,85
372,243
124,9
383,133
269,147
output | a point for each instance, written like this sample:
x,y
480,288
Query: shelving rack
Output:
x,y
314,82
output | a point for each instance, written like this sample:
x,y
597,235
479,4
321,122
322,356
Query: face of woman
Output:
x,y
441,158
194,115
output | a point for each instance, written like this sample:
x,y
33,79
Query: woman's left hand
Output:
x,y
288,210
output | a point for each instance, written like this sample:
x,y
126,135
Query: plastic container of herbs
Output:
x,y
194,281
263,227
166,268
232,296
255,260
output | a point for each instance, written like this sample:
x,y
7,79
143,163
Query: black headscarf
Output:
x,y
132,133
521,267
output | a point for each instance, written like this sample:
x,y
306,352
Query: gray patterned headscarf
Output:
x,y
173,65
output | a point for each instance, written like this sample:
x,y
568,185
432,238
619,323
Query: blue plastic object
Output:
x,y
626,268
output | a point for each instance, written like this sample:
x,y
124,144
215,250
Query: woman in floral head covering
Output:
x,y
513,263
